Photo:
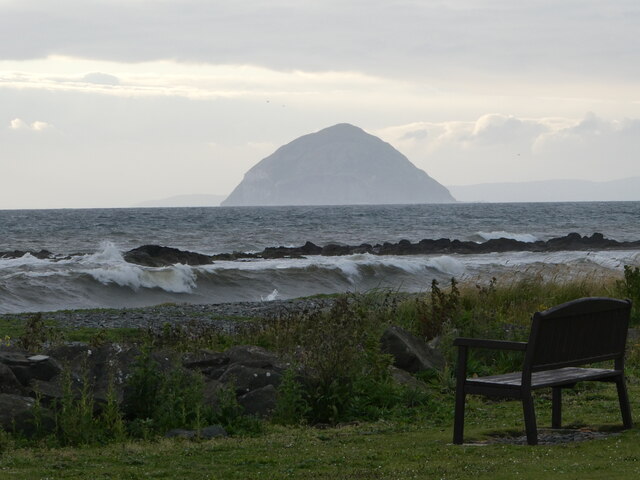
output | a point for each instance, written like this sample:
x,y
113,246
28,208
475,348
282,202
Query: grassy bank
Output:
x,y
371,427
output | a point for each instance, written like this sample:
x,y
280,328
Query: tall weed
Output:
x,y
629,287
160,401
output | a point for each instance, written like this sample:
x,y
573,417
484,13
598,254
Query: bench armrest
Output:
x,y
493,344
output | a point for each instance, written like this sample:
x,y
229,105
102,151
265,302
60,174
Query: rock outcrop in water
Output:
x,y
158,256
571,242
340,165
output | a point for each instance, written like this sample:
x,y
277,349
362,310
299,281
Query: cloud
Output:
x,y
379,37
420,134
498,147
37,126
101,79
195,81
496,128
18,124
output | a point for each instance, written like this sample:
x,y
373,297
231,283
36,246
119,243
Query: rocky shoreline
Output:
x,y
161,256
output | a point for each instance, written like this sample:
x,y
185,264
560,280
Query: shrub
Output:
x,y
158,402
439,311
74,413
292,406
629,287
37,333
338,349
230,414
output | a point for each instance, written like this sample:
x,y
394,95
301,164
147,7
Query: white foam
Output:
x,y
351,265
448,265
521,237
26,260
271,297
108,253
176,278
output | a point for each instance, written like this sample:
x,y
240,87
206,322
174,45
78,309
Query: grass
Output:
x,y
50,330
375,450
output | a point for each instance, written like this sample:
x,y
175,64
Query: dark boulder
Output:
x,y
409,352
17,414
8,381
404,378
26,367
333,250
246,379
157,256
206,433
205,360
42,254
260,402
253,356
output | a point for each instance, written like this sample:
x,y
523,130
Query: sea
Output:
x,y
88,269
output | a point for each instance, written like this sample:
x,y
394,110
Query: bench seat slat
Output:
x,y
547,378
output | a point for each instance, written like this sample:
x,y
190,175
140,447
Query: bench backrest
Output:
x,y
579,332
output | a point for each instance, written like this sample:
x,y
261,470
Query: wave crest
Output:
x,y
521,237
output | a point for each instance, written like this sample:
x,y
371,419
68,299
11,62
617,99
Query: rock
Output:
x,y
52,391
43,367
409,352
212,431
42,254
69,353
333,250
17,414
206,433
26,367
157,256
181,433
404,378
247,379
8,381
15,358
204,360
253,356
260,402
211,392
339,165
104,366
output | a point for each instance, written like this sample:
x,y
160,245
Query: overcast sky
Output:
x,y
108,103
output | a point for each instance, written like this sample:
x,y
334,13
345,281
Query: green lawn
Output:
x,y
382,450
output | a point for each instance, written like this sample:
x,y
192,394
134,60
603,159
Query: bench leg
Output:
x,y
458,421
530,419
623,399
556,407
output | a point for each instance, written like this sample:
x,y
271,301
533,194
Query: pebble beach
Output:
x,y
224,315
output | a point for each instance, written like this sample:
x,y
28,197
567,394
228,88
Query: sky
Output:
x,y
109,103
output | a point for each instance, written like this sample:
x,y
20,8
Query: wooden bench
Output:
x,y
561,342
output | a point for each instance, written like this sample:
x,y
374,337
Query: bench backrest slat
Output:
x,y
577,333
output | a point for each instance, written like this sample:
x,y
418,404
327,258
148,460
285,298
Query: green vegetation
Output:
x,y
372,427
379,450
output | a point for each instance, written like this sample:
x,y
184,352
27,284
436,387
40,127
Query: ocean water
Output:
x,y
89,270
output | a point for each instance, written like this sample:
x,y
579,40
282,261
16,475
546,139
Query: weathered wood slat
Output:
x,y
548,378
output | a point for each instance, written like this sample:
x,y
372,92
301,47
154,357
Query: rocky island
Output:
x,y
340,165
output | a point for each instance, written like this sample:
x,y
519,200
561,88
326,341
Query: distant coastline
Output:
x,y
202,200
569,190
622,190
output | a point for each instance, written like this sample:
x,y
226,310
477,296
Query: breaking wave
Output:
x,y
105,279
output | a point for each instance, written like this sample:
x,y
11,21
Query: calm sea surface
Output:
x,y
100,278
